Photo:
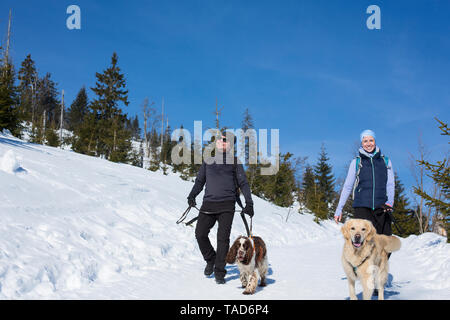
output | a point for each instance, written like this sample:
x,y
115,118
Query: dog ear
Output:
x,y
344,230
372,231
231,255
249,253
260,248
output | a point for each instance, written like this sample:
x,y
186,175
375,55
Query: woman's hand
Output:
x,y
339,217
387,208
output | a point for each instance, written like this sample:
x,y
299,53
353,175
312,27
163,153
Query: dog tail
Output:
x,y
392,244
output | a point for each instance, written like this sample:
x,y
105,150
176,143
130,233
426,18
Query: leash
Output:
x,y
186,212
397,226
184,215
355,268
247,228
395,221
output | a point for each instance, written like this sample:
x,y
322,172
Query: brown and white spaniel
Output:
x,y
250,254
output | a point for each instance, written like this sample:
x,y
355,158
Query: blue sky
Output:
x,y
311,69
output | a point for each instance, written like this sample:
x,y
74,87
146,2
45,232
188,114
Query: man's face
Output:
x,y
222,144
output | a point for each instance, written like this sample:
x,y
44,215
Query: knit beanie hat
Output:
x,y
366,133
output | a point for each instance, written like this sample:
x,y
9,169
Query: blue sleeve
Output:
x,y
347,188
390,185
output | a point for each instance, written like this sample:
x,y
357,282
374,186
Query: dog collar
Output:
x,y
356,267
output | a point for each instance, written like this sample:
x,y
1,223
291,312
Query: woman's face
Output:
x,y
368,143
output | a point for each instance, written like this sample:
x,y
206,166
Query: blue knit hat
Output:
x,y
366,133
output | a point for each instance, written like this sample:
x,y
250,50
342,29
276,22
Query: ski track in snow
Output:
x,y
79,227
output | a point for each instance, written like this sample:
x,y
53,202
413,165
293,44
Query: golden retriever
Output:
x,y
365,257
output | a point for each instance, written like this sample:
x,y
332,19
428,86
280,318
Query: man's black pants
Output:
x,y
205,223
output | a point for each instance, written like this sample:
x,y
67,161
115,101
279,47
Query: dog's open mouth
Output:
x,y
241,256
357,243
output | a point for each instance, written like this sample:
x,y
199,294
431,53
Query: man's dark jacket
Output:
x,y
219,178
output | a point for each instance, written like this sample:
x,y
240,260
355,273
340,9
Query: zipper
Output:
x,y
373,184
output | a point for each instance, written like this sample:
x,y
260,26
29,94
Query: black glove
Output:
x,y
387,208
249,210
191,202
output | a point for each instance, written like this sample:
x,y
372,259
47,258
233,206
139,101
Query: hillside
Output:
x,y
79,227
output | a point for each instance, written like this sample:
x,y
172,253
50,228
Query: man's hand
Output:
x,y
191,202
248,210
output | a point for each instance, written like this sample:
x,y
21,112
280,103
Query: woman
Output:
x,y
371,179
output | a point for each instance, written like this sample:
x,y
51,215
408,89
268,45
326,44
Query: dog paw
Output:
x,y
262,284
246,292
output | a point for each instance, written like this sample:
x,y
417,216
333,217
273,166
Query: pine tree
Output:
x,y
259,181
155,156
121,140
135,129
439,172
136,157
9,115
250,159
182,168
51,137
168,144
37,130
28,79
324,176
308,188
312,196
404,221
47,100
247,123
78,110
84,139
112,139
281,187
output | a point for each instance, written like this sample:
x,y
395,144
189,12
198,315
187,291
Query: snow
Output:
x,y
9,162
80,227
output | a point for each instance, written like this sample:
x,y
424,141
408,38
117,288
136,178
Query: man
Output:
x,y
222,177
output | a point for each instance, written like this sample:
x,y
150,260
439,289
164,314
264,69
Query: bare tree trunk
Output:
x,y
62,120
148,112
418,172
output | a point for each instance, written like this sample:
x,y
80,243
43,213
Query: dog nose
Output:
x,y
357,237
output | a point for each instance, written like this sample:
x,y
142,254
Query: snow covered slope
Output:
x,y
79,227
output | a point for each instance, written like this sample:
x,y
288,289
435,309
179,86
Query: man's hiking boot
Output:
x,y
220,279
209,269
